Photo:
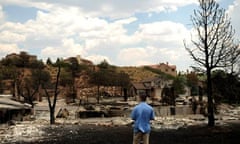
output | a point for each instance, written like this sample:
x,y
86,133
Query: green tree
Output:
x,y
179,85
67,81
11,72
24,59
226,87
73,68
104,75
49,61
192,82
104,65
98,78
27,89
10,62
28,85
123,80
214,44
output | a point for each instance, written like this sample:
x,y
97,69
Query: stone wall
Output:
x,y
168,110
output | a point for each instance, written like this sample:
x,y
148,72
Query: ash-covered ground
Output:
x,y
77,133
177,129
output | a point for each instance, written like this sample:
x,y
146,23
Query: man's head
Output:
x,y
142,97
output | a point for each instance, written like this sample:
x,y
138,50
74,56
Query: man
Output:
x,y
142,114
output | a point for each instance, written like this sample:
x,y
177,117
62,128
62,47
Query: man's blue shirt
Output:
x,y
142,114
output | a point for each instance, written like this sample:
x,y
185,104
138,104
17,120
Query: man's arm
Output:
x,y
133,114
152,115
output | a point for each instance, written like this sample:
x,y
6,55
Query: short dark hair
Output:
x,y
142,96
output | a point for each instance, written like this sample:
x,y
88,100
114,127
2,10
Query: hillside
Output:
x,y
137,74
23,59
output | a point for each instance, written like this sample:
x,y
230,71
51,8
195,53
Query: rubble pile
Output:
x,y
173,122
228,112
40,129
21,132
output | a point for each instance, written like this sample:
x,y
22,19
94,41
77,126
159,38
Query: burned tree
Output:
x,y
52,103
214,44
28,85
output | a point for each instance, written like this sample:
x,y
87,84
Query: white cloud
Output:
x,y
109,36
163,43
68,48
28,3
97,59
57,33
106,8
8,48
134,56
11,37
152,55
234,11
164,33
126,8
126,21
70,28
2,15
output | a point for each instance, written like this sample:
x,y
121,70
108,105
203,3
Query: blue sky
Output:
x,y
125,33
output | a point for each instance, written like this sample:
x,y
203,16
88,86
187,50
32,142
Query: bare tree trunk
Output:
x,y
214,46
51,109
56,92
211,120
98,94
52,115
15,90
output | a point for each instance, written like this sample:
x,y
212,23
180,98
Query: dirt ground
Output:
x,y
92,134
